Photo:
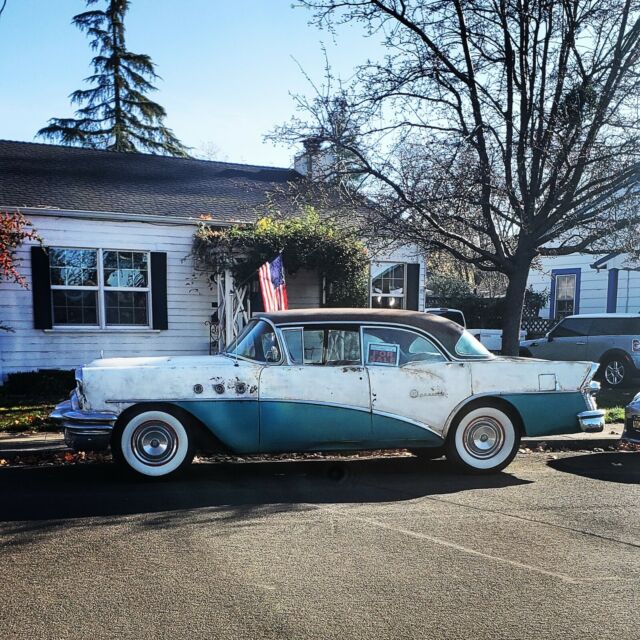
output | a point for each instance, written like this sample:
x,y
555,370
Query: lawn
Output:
x,y
614,401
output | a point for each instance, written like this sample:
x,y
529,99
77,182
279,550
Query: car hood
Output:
x,y
159,361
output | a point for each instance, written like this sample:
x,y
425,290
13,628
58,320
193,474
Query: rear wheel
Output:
x,y
153,443
615,371
483,439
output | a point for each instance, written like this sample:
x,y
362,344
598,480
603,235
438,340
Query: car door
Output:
x,y
319,399
414,386
567,341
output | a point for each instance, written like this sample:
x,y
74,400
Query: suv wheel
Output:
x,y
615,371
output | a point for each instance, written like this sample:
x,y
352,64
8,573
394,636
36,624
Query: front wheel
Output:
x,y
483,439
153,443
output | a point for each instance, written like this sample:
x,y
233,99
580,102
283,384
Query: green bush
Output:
x,y
50,383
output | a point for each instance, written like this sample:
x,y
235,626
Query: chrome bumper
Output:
x,y
591,421
84,430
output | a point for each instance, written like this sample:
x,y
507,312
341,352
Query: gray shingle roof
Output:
x,y
43,175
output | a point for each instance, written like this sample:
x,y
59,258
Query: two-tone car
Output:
x,y
329,380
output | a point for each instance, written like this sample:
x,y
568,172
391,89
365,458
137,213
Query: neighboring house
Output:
x,y
116,277
583,283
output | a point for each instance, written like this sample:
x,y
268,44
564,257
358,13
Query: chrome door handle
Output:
x,y
581,343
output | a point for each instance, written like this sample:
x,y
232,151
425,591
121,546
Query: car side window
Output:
x,y
571,328
615,327
323,346
388,346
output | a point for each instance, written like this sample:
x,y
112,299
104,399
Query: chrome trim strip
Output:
x,y
415,423
335,405
199,399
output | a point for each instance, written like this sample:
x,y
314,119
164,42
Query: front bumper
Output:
x,y
591,421
84,430
631,431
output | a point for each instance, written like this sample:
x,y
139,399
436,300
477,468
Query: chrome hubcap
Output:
x,y
614,372
154,443
483,437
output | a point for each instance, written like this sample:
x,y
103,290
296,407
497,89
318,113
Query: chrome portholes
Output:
x,y
154,443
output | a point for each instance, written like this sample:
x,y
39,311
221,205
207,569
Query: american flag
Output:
x,y
273,286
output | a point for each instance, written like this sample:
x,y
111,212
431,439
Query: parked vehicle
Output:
x,y
490,338
329,380
631,431
611,339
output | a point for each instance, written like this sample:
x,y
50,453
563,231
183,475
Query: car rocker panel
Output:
x,y
259,399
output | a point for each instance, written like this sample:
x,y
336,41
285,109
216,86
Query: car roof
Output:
x,y
605,315
445,331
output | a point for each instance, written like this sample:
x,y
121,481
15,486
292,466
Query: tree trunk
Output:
x,y
513,304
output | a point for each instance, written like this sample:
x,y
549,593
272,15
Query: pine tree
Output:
x,y
118,115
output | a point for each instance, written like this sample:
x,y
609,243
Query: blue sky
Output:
x,y
226,67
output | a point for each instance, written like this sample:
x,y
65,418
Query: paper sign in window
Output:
x,y
383,354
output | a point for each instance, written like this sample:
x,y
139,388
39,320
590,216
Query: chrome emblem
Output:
x,y
198,388
413,393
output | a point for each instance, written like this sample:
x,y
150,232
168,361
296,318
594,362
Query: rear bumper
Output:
x,y
591,421
84,430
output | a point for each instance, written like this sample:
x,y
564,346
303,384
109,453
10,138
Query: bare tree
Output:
x,y
497,130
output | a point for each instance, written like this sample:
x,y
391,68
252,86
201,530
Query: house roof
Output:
x,y
74,179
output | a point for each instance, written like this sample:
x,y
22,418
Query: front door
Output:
x,y
320,400
414,387
567,341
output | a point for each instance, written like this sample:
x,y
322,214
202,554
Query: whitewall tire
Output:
x,y
483,439
154,443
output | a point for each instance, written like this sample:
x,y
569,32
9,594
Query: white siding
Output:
x,y
189,305
594,284
304,290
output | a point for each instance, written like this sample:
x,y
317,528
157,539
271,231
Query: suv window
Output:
x,y
571,328
323,346
615,327
389,346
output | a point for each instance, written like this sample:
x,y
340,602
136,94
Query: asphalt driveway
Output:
x,y
389,548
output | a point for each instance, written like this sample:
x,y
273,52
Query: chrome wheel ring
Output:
x,y
154,443
614,372
483,437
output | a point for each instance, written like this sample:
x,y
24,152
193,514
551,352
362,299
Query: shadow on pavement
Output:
x,y
99,490
621,467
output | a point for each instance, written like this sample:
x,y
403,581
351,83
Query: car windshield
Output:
x,y
468,347
256,342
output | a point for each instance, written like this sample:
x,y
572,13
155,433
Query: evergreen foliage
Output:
x,y
306,242
118,114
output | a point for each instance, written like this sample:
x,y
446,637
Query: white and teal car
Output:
x,y
329,380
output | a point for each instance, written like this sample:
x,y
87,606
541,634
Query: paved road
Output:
x,y
389,548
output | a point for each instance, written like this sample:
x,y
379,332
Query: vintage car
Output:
x,y
329,380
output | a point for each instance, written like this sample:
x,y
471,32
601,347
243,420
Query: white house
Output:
x,y
115,276
583,283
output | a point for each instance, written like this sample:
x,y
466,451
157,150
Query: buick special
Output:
x,y
329,380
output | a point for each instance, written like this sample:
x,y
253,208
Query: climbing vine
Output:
x,y
306,242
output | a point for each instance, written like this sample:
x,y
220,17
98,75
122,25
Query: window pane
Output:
x,y
410,346
73,267
75,307
313,346
387,302
293,340
571,327
256,342
343,347
126,307
467,345
565,295
387,278
125,269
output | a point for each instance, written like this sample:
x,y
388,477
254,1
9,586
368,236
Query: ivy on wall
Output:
x,y
306,242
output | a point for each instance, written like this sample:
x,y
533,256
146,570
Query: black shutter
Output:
x,y
41,288
159,290
413,286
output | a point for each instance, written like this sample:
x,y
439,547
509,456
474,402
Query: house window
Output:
x,y
565,295
388,285
99,287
